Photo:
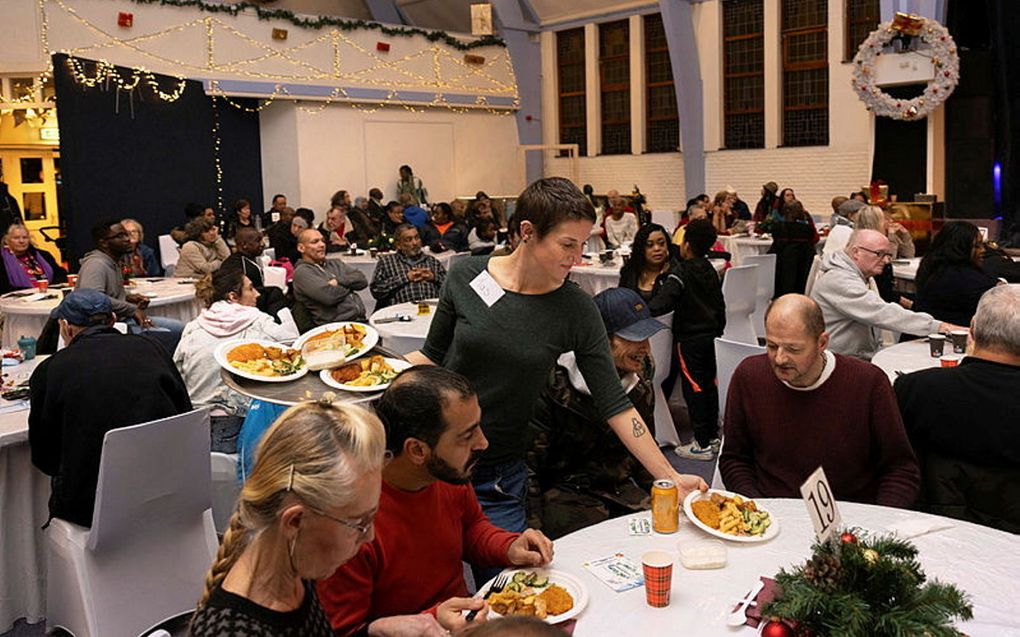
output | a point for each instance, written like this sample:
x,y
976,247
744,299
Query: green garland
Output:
x,y
867,588
319,22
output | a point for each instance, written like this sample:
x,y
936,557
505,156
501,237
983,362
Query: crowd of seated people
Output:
x,y
320,495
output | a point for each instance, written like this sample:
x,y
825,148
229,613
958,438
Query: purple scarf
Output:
x,y
16,274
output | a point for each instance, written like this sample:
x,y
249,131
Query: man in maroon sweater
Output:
x,y
800,406
429,519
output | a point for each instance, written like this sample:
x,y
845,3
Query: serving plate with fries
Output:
x,y
730,516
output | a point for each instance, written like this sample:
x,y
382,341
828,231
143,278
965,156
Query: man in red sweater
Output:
x,y
429,519
800,406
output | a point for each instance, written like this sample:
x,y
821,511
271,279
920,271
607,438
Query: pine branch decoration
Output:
x,y
868,588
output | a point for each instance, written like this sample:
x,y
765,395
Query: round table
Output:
x,y
365,263
26,314
404,337
308,387
24,494
594,277
742,245
981,561
910,356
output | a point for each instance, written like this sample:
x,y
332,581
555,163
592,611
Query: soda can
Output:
x,y
665,507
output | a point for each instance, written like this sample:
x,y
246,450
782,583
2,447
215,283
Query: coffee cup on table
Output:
x,y
959,338
950,361
658,572
936,345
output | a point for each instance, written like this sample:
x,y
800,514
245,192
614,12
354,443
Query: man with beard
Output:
x,y
799,406
428,519
408,275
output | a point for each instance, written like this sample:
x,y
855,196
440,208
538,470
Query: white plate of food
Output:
x,y
265,361
552,596
373,373
333,344
730,516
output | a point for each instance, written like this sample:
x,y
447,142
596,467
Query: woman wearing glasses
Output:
x,y
307,506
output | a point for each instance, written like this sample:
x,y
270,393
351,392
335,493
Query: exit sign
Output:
x,y
49,134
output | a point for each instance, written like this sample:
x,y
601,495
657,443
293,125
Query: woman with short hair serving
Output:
x,y
503,322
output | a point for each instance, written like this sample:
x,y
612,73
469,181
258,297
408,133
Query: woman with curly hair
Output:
x,y
950,280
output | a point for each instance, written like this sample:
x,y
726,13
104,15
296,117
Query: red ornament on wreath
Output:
x,y
848,538
777,629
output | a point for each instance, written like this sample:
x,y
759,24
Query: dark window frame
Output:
x,y
871,17
653,120
822,103
606,89
729,125
564,129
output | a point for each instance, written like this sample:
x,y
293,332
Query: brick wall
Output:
x,y
816,174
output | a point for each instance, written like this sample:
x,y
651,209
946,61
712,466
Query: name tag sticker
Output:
x,y
486,288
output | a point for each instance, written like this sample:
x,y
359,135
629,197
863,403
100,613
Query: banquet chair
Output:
x,y
225,488
168,253
812,276
838,237
766,288
152,537
739,290
661,345
275,276
728,355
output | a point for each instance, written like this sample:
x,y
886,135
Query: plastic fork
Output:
x,y
497,587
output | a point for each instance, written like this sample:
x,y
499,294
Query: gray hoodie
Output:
x,y
100,272
853,311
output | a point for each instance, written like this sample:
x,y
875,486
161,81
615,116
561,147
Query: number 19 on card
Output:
x,y
821,504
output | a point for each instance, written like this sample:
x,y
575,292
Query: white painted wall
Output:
x,y
816,173
310,155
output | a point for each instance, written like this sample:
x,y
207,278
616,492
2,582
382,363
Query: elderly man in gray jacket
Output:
x,y
328,289
853,310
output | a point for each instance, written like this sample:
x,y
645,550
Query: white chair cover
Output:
x,y
275,276
168,251
662,353
152,536
739,290
766,288
812,276
728,355
225,488
837,239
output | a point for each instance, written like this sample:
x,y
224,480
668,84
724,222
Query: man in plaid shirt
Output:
x,y
408,275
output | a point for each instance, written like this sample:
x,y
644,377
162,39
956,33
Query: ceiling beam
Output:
x,y
683,57
387,11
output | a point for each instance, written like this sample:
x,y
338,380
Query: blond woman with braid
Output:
x,y
307,506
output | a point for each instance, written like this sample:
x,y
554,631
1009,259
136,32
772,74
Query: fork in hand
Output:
x,y
497,587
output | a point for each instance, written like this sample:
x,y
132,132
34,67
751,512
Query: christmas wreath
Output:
x,y
937,44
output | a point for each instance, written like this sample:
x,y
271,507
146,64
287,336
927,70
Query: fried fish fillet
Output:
x,y
706,511
557,600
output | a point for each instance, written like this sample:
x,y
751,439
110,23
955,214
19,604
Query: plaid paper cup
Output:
x,y
658,569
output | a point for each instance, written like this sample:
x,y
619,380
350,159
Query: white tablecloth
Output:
x,y
741,246
170,298
906,269
24,493
981,561
909,357
365,264
403,337
596,277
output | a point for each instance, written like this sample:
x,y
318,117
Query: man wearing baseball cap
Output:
x,y
580,472
101,380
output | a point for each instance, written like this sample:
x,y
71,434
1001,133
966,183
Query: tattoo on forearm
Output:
x,y
637,427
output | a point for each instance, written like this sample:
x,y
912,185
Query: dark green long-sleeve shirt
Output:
x,y
508,350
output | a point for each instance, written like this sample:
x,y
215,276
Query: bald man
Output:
x,y
327,289
799,406
854,312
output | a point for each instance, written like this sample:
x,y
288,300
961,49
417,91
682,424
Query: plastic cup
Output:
x,y
72,280
41,284
658,570
950,361
959,338
936,344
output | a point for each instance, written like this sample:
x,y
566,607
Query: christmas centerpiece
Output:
x,y
857,587
909,33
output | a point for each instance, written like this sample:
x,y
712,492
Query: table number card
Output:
x,y
821,504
